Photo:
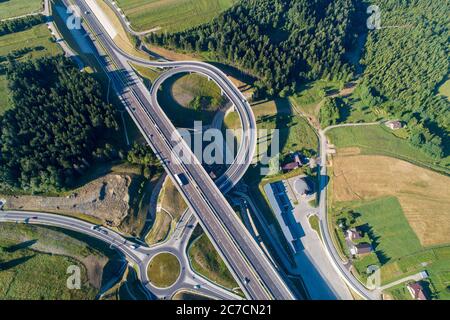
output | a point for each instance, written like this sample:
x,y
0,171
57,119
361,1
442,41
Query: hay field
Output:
x,y
172,15
15,8
423,194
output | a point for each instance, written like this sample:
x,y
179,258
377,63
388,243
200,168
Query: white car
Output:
x,y
2,203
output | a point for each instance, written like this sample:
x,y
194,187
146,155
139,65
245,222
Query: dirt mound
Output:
x,y
106,199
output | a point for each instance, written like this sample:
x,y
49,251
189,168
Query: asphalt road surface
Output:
x,y
258,277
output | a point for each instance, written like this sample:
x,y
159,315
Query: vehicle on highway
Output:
x,y
197,286
181,179
99,229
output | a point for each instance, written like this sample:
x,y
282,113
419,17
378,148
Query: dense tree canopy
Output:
x,y
20,24
281,42
329,112
405,62
58,126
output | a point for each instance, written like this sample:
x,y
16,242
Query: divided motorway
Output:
x,y
258,277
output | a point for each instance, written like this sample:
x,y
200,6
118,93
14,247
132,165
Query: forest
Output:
x,y
281,42
284,43
20,24
58,127
405,62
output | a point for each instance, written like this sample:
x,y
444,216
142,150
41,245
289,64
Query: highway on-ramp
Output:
x,y
136,254
258,277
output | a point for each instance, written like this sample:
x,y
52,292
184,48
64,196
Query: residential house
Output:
x,y
353,234
361,249
394,124
416,291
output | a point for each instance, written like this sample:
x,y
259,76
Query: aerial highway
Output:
x,y
258,277
135,253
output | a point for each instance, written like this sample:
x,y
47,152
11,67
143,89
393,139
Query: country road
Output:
x,y
136,253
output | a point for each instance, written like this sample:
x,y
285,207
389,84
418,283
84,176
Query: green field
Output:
x,y
384,220
163,270
378,139
172,207
15,8
186,295
206,261
172,15
311,94
444,89
34,262
294,131
177,95
315,224
396,247
37,39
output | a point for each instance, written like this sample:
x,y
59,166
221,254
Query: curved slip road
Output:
x,y
258,277
139,255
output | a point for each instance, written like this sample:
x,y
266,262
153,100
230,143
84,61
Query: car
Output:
x,y
2,203
197,286
99,229
86,12
181,179
133,246
246,280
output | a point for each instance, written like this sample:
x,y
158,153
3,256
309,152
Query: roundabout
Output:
x,y
164,270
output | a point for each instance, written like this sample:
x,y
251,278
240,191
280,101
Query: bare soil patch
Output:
x,y
106,199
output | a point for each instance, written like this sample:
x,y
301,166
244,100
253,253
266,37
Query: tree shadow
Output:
x,y
382,257
283,119
20,246
324,181
113,269
234,72
427,290
14,263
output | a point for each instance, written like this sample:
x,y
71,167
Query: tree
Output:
x,y
280,42
58,127
329,112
